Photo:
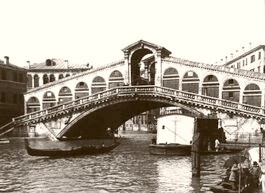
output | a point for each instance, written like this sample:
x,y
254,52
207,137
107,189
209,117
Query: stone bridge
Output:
x,y
147,78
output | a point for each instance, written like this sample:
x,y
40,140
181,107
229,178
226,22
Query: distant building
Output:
x,y
13,83
52,70
253,60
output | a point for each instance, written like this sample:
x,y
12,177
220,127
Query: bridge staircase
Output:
x,y
146,93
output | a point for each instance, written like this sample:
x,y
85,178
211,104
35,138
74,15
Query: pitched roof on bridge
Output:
x,y
142,43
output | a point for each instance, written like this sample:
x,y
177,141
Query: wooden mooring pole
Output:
x,y
195,151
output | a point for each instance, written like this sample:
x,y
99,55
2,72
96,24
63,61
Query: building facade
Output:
x,y
253,60
52,70
13,83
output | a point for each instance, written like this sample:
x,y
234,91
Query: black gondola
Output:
x,y
67,148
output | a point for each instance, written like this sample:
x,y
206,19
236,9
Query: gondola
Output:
x,y
67,148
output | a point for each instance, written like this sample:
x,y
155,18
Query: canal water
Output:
x,y
128,168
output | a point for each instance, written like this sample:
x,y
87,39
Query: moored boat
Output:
x,y
225,187
170,149
183,150
4,141
42,147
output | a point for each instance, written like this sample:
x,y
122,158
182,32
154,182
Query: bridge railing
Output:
x,y
143,90
6,128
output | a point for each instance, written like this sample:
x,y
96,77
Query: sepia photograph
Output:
x,y
143,96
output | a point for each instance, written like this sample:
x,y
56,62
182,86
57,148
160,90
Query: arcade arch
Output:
x,y
81,90
65,95
231,90
98,84
49,100
32,105
171,78
210,86
252,95
190,82
116,79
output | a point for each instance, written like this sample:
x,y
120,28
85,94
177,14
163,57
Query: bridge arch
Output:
x,y
252,95
112,115
48,100
98,84
32,105
65,95
81,90
171,78
210,86
190,82
116,79
231,90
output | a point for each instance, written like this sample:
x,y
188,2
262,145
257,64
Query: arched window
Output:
x,y
98,85
36,81
231,90
33,105
116,79
29,81
65,95
49,100
81,90
190,82
61,76
52,78
45,79
210,86
171,78
252,95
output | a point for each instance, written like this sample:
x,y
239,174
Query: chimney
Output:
x,y
7,59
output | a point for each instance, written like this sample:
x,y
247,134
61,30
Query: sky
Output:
x,y
95,31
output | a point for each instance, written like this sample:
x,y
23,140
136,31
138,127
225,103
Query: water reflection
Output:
x,y
128,168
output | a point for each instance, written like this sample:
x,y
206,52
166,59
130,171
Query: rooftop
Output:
x,y
57,64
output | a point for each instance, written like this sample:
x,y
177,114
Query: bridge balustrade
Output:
x,y
142,90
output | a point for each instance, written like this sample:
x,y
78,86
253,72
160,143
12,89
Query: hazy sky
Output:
x,y
95,31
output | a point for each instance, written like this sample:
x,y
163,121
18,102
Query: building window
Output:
x,y
15,76
20,77
259,55
45,79
238,65
246,61
3,97
258,68
15,99
3,74
252,59
243,61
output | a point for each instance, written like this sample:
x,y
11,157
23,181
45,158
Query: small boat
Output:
x,y
225,187
4,141
183,150
170,149
40,147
